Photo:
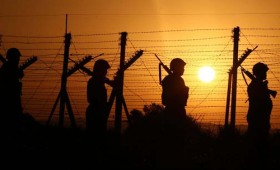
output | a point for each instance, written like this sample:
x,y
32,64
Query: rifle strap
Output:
x,y
244,77
245,82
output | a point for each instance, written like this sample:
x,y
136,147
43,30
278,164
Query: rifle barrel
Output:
x,y
273,93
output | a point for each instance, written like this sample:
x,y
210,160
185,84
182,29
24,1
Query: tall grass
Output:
x,y
149,141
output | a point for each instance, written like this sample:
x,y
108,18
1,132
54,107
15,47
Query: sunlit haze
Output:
x,y
206,74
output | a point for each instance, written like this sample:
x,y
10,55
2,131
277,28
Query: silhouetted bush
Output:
x,y
157,142
149,142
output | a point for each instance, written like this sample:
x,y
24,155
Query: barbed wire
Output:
x,y
207,102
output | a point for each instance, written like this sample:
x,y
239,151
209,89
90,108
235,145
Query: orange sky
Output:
x,y
46,18
126,15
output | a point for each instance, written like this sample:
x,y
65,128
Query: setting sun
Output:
x,y
206,74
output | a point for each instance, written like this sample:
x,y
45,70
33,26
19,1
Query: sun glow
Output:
x,y
206,74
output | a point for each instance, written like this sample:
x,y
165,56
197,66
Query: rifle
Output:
x,y
164,66
21,67
127,64
273,93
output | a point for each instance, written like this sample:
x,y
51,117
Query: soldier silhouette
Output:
x,y
10,98
258,116
96,113
260,103
174,91
174,118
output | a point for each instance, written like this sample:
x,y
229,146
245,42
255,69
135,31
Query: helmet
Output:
x,y
101,65
259,68
13,52
177,62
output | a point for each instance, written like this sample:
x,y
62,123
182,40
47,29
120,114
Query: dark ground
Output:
x,y
146,144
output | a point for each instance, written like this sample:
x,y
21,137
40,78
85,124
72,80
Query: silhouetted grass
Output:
x,y
152,144
149,142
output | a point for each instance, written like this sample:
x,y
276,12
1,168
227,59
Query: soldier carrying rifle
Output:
x,y
260,103
174,91
10,97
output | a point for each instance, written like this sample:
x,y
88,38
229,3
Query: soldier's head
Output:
x,y
13,55
100,67
177,66
259,70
